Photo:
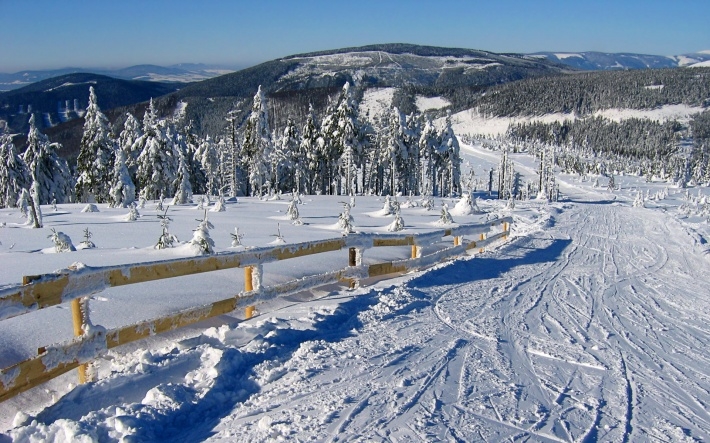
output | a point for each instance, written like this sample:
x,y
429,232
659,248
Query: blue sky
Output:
x,y
44,34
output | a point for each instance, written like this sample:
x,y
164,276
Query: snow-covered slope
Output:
x,y
591,324
595,61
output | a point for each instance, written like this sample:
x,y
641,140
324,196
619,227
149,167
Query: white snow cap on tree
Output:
x,y
96,155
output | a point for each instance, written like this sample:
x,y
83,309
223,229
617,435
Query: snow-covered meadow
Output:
x,y
591,324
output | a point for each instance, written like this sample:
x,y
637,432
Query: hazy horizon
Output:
x,y
44,35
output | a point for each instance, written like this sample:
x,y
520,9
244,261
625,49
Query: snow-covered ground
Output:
x,y
590,324
471,122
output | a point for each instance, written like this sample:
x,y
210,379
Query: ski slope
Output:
x,y
591,324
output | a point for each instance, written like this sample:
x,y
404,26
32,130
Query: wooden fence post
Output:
x,y
79,316
248,283
352,257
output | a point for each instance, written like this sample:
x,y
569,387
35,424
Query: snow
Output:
x,y
376,101
64,85
565,55
471,122
705,64
589,324
685,60
682,113
429,103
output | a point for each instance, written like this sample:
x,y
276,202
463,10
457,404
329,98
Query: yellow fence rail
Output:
x,y
74,285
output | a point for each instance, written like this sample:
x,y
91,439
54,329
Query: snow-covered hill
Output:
x,y
590,325
182,73
595,61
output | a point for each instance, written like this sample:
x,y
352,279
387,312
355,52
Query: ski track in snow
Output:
x,y
593,326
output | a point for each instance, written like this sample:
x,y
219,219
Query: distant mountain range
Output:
x,y
293,83
195,72
601,61
182,73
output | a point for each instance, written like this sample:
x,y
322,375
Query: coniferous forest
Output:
x,y
315,141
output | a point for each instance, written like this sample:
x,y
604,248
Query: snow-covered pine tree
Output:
x,y
257,145
345,220
209,160
190,145
398,223
232,162
47,169
96,155
158,161
166,239
123,191
14,175
450,153
201,242
313,163
284,159
127,143
428,143
183,188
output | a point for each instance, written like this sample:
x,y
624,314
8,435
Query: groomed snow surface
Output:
x,y
592,323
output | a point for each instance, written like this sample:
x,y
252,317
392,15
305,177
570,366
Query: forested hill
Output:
x,y
587,92
301,79
63,98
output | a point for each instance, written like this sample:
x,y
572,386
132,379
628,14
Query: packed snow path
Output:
x,y
594,327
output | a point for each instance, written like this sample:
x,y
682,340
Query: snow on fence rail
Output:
x,y
76,284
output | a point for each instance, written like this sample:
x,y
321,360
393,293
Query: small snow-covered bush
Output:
x,y
445,217
201,241
220,205
398,223
91,207
345,220
87,243
62,242
236,238
166,239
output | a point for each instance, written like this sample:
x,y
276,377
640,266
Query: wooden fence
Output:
x,y
75,285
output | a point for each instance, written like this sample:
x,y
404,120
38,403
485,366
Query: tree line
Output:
x,y
337,152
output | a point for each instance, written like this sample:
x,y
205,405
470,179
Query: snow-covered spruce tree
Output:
x,y
190,144
183,188
450,154
158,161
123,191
127,143
35,209
547,186
340,145
47,169
314,163
166,239
398,223
23,202
96,155
231,154
428,144
345,220
209,160
257,145
292,213
445,217
87,243
14,175
283,159
201,242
